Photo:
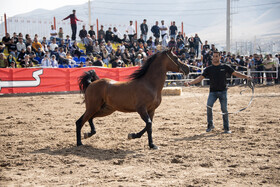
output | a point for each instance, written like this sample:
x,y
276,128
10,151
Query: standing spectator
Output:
x,y
130,30
144,29
269,65
91,32
196,44
73,21
101,34
155,30
60,33
173,30
276,59
83,33
163,29
259,67
53,33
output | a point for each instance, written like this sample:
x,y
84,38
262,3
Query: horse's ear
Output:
x,y
170,50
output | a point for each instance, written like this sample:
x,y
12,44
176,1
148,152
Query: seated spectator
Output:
x,y
68,41
87,39
88,62
46,62
53,45
109,35
101,39
138,61
20,45
126,41
44,47
3,61
116,35
172,43
53,33
141,40
83,33
62,56
26,62
11,61
122,47
109,47
96,49
41,53
36,45
2,47
75,50
89,48
98,61
70,58
54,63
21,55
105,55
150,42
126,57
12,48
15,37
62,45
28,42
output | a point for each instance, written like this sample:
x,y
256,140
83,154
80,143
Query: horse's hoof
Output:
x,y
86,135
79,144
153,146
130,136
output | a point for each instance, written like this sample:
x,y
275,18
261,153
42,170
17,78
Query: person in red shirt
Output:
x,y
73,21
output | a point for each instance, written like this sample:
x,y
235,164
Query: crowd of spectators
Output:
x,y
110,48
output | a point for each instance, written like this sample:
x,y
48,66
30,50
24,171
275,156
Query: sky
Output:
x,y
14,7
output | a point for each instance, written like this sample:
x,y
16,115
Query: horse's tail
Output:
x,y
87,78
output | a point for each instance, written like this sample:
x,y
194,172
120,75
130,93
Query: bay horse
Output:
x,y
141,94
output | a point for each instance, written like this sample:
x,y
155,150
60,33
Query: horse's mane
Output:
x,y
143,69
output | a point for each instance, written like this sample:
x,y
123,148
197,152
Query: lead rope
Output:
x,y
250,84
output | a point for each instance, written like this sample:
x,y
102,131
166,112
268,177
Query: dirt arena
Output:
x,y
38,143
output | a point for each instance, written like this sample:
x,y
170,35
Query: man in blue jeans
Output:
x,y
218,89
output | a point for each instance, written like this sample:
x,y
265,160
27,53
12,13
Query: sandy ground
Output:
x,y
38,143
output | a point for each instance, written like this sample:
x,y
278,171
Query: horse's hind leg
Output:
x,y
79,124
92,127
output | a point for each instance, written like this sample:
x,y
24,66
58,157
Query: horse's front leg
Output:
x,y
92,127
147,117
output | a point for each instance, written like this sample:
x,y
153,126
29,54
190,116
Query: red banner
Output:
x,y
33,80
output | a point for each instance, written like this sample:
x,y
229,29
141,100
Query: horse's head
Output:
x,y
175,64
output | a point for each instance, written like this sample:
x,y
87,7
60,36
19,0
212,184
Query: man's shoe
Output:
x,y
210,128
227,132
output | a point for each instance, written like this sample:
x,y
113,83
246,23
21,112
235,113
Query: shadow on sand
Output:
x,y
87,151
